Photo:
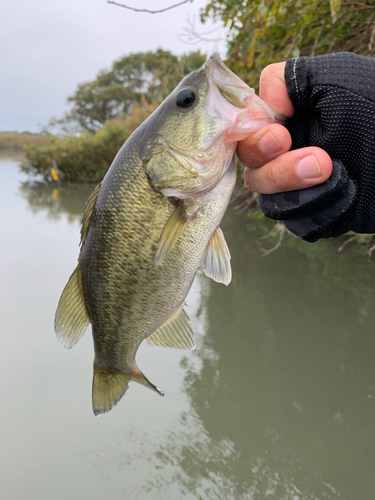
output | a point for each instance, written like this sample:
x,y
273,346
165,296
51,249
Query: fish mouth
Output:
x,y
231,97
214,65
234,90
230,86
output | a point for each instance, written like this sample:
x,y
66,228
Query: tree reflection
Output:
x,y
54,200
282,390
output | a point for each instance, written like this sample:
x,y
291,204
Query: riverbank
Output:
x,y
17,141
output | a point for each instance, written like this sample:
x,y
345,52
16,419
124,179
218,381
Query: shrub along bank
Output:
x,y
85,157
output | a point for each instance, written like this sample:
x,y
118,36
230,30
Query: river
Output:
x,y
276,403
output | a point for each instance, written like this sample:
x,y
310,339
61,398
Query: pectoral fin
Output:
x,y
172,230
175,332
71,319
216,262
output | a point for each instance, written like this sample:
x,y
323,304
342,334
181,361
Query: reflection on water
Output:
x,y
55,200
283,402
277,402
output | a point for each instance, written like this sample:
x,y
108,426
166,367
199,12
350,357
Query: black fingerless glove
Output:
x,y
334,100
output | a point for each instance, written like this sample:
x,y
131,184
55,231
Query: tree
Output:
x,y
107,110
144,75
266,31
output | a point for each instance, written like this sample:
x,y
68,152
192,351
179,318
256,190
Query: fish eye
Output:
x,y
185,98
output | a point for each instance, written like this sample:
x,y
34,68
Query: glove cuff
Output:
x,y
311,213
300,203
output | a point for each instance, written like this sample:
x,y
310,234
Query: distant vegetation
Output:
x,y
87,156
262,32
105,112
140,78
18,141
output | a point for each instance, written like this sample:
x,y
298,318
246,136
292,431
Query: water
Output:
x,y
277,402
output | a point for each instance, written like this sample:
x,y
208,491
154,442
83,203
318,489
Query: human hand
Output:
x,y
270,166
334,109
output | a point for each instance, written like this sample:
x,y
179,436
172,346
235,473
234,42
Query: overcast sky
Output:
x,y
47,47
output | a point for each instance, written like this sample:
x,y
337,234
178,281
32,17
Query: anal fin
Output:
x,y
71,319
175,332
216,262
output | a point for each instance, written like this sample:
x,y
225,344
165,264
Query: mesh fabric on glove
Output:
x,y
334,100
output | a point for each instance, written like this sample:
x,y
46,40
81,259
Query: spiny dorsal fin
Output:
x,y
172,230
71,319
87,213
175,332
216,262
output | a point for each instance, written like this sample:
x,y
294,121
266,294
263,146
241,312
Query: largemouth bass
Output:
x,y
153,222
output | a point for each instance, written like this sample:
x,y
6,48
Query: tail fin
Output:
x,y
108,388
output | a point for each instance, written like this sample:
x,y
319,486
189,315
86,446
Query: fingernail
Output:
x,y
309,168
269,144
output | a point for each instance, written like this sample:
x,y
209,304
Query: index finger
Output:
x,y
272,89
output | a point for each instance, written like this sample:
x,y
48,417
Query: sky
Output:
x,y
48,47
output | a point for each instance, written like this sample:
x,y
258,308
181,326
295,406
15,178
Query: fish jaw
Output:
x,y
236,101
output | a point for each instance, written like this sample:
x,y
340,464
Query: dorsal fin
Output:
x,y
216,262
87,213
175,332
172,230
72,319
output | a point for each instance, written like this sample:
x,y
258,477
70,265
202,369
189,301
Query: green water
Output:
x,y
277,402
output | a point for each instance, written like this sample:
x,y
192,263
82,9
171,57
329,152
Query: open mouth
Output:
x,y
230,86
241,106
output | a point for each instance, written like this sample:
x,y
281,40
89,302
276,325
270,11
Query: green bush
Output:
x,y
85,157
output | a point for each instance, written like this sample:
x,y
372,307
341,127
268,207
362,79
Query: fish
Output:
x,y
153,222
